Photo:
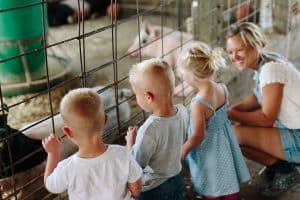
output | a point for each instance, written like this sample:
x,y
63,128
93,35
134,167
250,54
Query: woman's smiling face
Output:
x,y
241,55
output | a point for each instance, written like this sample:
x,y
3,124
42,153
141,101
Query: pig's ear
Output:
x,y
146,27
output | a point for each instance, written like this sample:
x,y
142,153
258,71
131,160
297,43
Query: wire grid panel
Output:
x,y
97,52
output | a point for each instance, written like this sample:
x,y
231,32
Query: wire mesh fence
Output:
x,y
40,63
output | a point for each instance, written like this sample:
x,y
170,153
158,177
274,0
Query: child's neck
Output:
x,y
92,148
165,109
204,86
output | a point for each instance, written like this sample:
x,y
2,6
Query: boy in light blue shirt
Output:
x,y
157,144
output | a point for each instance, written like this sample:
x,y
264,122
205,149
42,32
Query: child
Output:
x,y
97,170
157,144
213,154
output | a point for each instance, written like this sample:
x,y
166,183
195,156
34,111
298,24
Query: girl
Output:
x,y
213,154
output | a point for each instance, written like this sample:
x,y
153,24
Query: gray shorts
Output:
x,y
290,140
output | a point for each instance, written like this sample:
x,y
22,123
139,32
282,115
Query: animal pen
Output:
x,y
39,64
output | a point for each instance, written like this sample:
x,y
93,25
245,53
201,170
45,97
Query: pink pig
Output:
x,y
151,46
172,41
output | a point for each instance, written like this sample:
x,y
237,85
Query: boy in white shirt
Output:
x,y
97,170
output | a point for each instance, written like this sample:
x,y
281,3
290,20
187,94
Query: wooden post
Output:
x,y
205,20
283,13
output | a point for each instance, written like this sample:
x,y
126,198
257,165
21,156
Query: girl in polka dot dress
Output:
x,y
216,163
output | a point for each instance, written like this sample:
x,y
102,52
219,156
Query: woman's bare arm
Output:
x,y
267,114
249,103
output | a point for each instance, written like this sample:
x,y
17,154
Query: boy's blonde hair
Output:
x,y
201,60
250,33
82,110
154,75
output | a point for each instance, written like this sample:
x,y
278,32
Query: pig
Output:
x,y
43,129
151,46
171,42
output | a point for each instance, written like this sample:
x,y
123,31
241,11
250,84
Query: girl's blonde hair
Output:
x,y
250,34
200,59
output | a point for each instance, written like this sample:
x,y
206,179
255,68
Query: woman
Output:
x,y
268,121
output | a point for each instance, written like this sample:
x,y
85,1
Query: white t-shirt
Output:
x,y
103,177
287,74
158,147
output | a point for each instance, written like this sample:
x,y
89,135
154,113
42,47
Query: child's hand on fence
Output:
x,y
131,136
183,155
52,145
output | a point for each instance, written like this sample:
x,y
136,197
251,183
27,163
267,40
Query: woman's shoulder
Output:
x,y
275,57
274,71
276,62
273,67
279,67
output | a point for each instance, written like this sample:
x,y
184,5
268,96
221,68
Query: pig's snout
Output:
x,y
133,53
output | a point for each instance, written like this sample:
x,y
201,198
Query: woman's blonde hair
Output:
x,y
200,59
250,33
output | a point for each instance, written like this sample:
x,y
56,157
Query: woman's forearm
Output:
x,y
253,118
247,104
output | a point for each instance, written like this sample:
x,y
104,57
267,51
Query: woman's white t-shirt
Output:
x,y
287,74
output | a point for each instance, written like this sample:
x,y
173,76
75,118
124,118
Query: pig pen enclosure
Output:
x,y
40,63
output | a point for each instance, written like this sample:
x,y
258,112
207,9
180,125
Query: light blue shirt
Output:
x,y
158,147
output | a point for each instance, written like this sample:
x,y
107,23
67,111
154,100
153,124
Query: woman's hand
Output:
x,y
230,113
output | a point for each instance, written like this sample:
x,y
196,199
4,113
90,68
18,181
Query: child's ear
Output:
x,y
68,131
149,96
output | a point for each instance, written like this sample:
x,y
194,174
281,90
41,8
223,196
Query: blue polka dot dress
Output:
x,y
217,165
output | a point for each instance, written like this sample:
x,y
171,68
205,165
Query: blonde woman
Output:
x,y
269,119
